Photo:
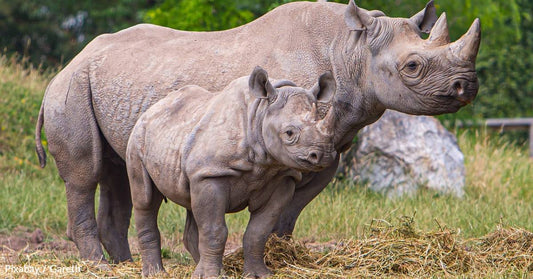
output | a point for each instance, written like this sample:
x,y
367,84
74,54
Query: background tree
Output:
x,y
199,15
53,31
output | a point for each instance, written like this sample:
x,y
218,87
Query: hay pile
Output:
x,y
400,251
386,250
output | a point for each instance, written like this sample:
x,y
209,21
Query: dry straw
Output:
x,y
386,250
401,251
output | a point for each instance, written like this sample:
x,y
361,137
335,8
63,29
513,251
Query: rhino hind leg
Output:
x,y
114,211
190,236
81,219
74,141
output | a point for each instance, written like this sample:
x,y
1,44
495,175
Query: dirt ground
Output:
x,y
33,248
24,240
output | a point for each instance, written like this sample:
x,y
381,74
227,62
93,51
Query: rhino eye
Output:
x,y
414,70
290,136
412,66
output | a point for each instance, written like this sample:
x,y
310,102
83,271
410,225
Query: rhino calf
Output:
x,y
219,153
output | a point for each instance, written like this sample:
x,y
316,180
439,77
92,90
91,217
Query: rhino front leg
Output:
x,y
303,195
209,202
262,221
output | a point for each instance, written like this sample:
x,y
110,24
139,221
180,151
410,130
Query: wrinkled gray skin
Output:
x,y
378,63
219,153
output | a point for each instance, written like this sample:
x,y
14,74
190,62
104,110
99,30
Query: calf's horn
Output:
x,y
467,46
312,115
439,33
326,125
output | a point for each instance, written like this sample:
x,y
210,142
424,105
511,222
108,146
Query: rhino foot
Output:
x,y
208,271
256,271
154,271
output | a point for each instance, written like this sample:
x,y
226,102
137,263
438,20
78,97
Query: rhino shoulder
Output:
x,y
217,146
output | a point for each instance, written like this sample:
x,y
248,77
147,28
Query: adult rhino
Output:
x,y
378,62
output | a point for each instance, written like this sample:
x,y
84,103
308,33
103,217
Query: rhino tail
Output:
x,y
38,143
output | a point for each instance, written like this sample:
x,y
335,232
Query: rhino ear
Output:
x,y
260,86
325,89
357,19
426,18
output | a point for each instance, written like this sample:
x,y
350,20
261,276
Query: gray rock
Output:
x,y
401,153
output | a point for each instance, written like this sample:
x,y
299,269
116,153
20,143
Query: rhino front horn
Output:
x,y
439,33
467,46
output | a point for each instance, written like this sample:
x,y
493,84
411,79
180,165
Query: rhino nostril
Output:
x,y
314,157
459,88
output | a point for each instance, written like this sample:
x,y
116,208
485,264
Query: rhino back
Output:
x,y
134,68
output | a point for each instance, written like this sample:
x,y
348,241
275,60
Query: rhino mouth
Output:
x,y
307,164
453,100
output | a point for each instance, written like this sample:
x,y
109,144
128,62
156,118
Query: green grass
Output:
x,y
29,196
499,183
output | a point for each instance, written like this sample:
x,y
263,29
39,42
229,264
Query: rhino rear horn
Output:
x,y
259,85
439,34
426,18
467,46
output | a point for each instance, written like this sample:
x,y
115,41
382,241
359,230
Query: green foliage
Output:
x,y
51,32
199,15
504,67
506,84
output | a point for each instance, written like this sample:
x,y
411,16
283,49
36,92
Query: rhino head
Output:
x,y
296,125
411,74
